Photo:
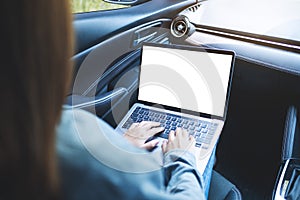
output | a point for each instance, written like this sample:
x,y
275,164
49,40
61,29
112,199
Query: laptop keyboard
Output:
x,y
203,131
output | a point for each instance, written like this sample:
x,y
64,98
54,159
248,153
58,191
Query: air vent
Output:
x,y
181,27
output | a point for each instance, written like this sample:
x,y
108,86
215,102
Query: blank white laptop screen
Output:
x,y
185,79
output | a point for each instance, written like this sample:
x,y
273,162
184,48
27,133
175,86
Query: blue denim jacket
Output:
x,y
97,163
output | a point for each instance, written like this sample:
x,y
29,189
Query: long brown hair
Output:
x,y
36,47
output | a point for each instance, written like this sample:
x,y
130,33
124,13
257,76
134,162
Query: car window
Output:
x,y
274,18
80,6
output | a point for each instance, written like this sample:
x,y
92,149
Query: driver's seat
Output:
x,y
222,189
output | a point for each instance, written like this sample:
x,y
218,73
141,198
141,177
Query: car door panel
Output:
x,y
92,28
103,56
103,37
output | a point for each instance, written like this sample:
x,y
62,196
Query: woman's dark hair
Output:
x,y
36,47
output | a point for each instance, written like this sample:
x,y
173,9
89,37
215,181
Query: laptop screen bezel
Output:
x,y
198,49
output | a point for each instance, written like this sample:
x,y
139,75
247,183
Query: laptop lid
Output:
x,y
186,79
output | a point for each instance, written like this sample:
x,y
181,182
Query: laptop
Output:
x,y
183,86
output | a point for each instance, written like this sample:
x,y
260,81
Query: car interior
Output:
x,y
258,153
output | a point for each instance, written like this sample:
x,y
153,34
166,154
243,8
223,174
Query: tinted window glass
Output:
x,y
79,6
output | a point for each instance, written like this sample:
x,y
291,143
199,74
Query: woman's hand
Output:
x,y
179,140
138,133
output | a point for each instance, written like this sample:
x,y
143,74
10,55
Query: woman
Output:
x,y
81,158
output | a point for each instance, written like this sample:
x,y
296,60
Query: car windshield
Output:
x,y
275,18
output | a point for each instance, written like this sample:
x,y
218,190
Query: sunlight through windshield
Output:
x,y
278,18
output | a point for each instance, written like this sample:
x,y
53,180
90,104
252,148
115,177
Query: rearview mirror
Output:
x,y
126,2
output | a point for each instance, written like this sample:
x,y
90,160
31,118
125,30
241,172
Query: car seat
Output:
x,y
222,189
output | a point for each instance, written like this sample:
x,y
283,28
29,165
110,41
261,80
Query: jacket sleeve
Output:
x,y
181,176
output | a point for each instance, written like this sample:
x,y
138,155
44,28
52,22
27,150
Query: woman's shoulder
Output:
x,y
79,117
82,133
75,123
